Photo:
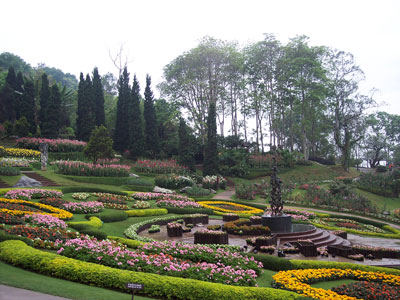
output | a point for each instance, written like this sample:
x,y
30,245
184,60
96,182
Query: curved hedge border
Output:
x,y
93,221
146,212
19,254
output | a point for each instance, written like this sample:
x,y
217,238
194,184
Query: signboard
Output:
x,y
134,286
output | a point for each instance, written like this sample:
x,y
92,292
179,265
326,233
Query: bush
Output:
x,y
139,181
113,216
139,188
83,226
378,184
94,222
127,242
67,156
323,161
98,234
4,237
173,181
245,190
75,189
196,191
146,212
99,180
339,188
9,171
381,169
157,286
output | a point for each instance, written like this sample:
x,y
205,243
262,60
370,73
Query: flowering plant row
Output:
x,y
28,194
116,206
84,207
115,255
10,219
55,145
178,203
160,196
214,182
54,201
17,152
46,209
368,290
297,281
160,167
43,233
230,207
45,221
15,162
348,223
79,168
141,204
112,199
80,196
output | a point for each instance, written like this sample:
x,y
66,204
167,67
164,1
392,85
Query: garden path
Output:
x,y
12,293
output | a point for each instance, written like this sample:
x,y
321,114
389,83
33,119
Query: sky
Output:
x,y
78,35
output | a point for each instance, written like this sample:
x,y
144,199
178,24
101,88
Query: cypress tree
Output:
x,y
151,132
85,112
98,96
186,152
19,94
52,125
80,107
27,105
122,134
44,101
99,145
210,166
137,142
8,97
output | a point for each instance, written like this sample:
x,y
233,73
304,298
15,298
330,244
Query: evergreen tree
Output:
x,y
99,145
44,101
80,107
122,134
18,94
27,105
137,142
85,112
8,96
98,96
151,132
186,151
210,165
52,125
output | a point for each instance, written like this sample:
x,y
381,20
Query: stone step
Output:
x,y
308,236
43,180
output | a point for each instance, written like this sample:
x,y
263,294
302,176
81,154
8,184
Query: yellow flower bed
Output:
x,y
296,281
18,152
53,211
244,209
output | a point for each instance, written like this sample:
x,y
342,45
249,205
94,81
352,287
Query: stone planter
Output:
x,y
174,231
209,238
265,241
229,218
307,249
203,219
340,250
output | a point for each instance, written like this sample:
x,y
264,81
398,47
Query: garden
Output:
x,y
166,227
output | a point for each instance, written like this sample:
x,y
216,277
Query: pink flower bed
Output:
x,y
55,145
83,207
45,221
160,167
79,168
115,255
28,194
159,196
177,203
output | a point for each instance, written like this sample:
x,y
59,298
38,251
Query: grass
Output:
x,y
326,285
10,180
265,279
380,201
16,277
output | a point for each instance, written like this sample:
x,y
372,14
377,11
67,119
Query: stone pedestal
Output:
x,y
44,155
281,223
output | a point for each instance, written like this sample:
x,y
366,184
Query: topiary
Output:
x,y
113,216
98,234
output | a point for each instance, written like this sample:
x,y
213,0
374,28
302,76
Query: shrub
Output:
x,y
139,182
196,191
9,171
381,169
184,210
127,242
173,181
93,221
160,167
243,226
146,212
98,234
377,184
245,190
113,216
5,237
214,182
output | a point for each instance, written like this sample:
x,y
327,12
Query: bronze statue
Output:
x,y
276,194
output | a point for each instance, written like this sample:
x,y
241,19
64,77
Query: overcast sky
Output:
x,y
75,36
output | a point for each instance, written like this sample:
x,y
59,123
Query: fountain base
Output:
x,y
281,223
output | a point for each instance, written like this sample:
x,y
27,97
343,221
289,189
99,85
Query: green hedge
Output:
x,y
5,237
395,235
146,212
165,287
93,221
183,211
117,181
98,234
77,189
113,216
358,219
127,242
138,188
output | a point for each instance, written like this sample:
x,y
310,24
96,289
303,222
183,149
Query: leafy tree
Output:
x,y
8,60
210,166
100,145
98,96
121,133
137,141
27,107
151,133
44,95
186,151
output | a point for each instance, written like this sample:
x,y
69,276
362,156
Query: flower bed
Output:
x,y
376,252
154,228
174,229
177,203
115,199
105,195
268,249
230,207
18,152
28,194
54,145
45,221
79,168
141,204
45,209
340,250
244,226
173,181
268,240
15,162
160,167
205,236
368,290
112,254
80,196
54,201
297,281
46,234
84,207
6,218
214,182
160,196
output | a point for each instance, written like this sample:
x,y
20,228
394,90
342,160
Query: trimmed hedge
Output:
x,y
77,189
98,234
146,212
117,181
113,216
139,188
183,211
127,242
358,219
93,221
165,287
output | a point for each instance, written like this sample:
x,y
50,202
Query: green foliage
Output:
x,y
234,163
146,212
337,187
99,145
127,242
379,184
172,181
27,108
196,191
85,121
113,216
93,221
186,151
75,189
5,237
245,190
98,234
22,127
51,125
150,121
121,133
139,181
17,253
9,128
381,169
184,210
137,142
302,162
9,97
9,171
44,95
210,164
98,96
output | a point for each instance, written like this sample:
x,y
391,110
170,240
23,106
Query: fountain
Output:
x,y
277,221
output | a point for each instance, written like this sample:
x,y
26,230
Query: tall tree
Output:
x,y
99,145
98,96
44,95
8,97
27,108
121,133
85,111
186,151
210,165
137,141
150,120
51,126
19,93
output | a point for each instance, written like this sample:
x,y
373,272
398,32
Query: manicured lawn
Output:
x,y
380,201
326,285
13,276
265,279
